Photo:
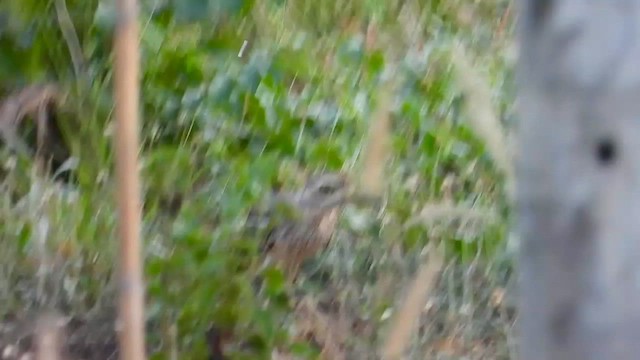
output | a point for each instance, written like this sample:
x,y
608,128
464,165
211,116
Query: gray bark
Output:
x,y
578,179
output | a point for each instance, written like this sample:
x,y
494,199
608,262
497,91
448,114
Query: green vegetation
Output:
x,y
220,130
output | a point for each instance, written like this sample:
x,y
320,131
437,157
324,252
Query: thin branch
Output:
x,y
131,311
70,36
406,319
377,149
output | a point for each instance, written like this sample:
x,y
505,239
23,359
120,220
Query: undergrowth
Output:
x,y
240,97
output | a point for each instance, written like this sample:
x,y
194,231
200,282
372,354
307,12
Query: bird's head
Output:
x,y
324,191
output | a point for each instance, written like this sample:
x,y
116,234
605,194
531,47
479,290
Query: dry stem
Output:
x,y
131,311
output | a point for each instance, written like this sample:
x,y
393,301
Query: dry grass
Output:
x,y
405,322
482,116
377,150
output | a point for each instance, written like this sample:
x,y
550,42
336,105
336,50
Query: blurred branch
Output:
x,y
131,314
71,38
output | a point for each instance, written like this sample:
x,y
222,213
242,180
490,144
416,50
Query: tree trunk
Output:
x,y
578,177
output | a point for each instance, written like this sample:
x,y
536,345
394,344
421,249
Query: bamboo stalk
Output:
x,y
131,310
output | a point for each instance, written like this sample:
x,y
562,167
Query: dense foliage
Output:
x,y
239,97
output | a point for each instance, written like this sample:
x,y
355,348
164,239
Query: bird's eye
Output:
x,y
326,189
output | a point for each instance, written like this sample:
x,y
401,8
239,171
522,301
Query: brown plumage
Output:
x,y
302,223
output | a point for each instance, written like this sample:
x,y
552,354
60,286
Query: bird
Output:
x,y
301,223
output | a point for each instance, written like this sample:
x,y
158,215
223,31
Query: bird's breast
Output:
x,y
327,224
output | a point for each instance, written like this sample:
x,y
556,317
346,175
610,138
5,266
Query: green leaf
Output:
x,y
274,281
213,10
304,350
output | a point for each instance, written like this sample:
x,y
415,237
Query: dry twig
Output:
x,y
31,100
378,144
131,311
435,212
406,319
